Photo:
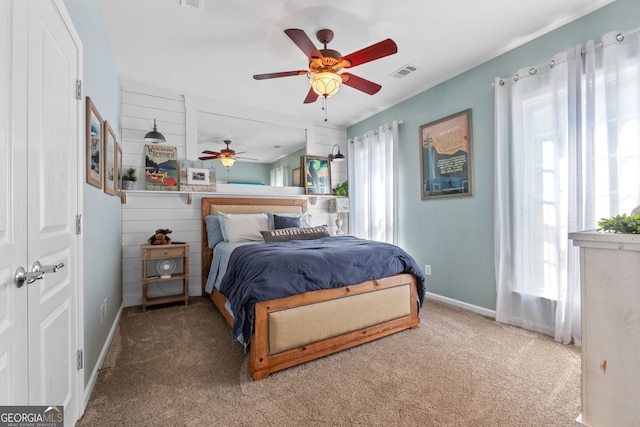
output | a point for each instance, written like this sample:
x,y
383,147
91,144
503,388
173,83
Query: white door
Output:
x,y
13,225
43,199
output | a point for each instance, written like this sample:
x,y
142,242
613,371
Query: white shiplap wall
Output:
x,y
139,108
145,211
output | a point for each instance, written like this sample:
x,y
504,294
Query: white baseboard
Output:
x,y
103,354
466,306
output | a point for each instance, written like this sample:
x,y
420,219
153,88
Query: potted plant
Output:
x,y
341,190
128,179
621,224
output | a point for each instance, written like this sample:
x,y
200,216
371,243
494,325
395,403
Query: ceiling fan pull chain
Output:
x,y
324,107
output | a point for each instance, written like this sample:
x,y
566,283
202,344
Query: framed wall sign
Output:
x,y
118,167
446,158
316,175
161,167
109,164
94,137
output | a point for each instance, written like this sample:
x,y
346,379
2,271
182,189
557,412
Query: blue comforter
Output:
x,y
273,270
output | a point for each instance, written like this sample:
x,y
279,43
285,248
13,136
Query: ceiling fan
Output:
x,y
324,64
227,156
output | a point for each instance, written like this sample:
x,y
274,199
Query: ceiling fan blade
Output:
x,y
281,74
208,157
246,158
375,51
311,96
302,40
359,83
210,152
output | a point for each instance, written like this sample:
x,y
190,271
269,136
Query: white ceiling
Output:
x,y
213,52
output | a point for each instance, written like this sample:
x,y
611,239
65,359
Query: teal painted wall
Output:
x,y
455,236
102,215
254,173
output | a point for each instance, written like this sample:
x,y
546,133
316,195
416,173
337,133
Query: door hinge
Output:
x,y
78,224
78,89
80,359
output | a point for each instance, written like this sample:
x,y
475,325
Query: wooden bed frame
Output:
x,y
293,330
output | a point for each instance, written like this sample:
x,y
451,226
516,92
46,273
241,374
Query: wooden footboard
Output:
x,y
293,330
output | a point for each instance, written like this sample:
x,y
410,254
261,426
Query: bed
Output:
x,y
291,330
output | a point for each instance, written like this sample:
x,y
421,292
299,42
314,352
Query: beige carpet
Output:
x,y
178,366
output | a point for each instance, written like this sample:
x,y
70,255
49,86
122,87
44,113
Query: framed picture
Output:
x,y
446,158
161,167
197,176
95,135
316,175
109,162
118,167
295,177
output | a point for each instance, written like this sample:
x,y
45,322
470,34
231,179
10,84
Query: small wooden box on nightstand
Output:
x,y
160,252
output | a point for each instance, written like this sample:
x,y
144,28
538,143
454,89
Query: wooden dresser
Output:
x,y
610,291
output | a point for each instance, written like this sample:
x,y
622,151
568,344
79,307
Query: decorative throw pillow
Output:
x,y
286,234
281,221
243,227
306,220
214,232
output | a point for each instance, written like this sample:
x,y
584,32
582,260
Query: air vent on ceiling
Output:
x,y
407,69
193,4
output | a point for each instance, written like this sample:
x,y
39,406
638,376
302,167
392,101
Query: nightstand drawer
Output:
x,y
169,252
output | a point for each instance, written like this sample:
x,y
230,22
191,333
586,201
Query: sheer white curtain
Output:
x,y
567,154
279,176
612,110
372,184
535,152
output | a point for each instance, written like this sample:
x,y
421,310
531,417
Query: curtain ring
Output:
x,y
532,71
552,64
619,37
501,82
516,77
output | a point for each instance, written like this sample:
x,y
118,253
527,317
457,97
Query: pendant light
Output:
x,y
154,135
339,157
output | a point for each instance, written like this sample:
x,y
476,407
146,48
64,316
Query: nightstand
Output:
x,y
161,252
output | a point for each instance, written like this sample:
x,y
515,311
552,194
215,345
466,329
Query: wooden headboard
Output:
x,y
212,206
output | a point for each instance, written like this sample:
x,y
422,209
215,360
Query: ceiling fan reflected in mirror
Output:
x,y
324,65
227,156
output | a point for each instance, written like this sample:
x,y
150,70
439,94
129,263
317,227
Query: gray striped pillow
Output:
x,y
286,234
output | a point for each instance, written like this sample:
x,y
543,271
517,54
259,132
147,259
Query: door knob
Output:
x,y
46,268
27,276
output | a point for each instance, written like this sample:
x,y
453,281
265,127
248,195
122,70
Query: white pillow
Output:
x,y
243,227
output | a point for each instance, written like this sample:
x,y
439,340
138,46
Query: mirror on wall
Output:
x,y
260,147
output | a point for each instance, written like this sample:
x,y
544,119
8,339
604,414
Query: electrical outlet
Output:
x,y
427,270
102,312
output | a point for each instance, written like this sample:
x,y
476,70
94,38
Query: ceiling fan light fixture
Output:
x,y
227,161
326,83
154,135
